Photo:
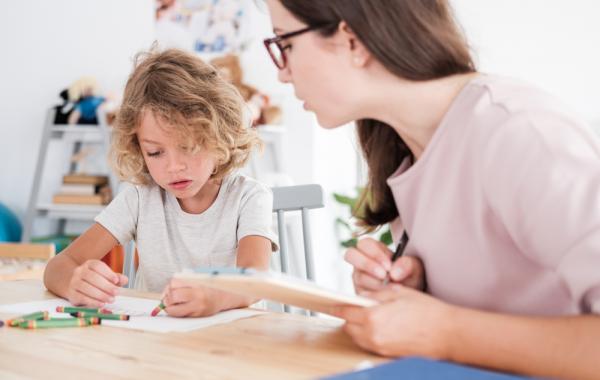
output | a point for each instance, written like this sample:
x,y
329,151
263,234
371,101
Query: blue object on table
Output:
x,y
423,369
10,227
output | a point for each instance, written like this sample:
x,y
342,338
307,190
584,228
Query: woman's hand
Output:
x,y
183,300
94,284
405,323
372,264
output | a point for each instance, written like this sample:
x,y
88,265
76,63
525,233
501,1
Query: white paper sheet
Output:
x,y
139,309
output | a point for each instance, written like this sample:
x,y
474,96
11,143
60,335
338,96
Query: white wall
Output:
x,y
46,45
552,43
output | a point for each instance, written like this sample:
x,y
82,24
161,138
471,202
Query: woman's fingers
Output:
x,y
375,250
361,261
409,271
365,282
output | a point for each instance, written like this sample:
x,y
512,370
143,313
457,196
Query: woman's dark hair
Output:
x,y
417,40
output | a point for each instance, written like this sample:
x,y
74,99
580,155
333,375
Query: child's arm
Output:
x,y
410,323
182,300
77,273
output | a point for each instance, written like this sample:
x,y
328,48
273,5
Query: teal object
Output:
x,y
60,241
10,227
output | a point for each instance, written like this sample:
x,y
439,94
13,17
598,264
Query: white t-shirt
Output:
x,y
169,239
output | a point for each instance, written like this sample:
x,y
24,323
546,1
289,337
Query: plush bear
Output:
x,y
261,111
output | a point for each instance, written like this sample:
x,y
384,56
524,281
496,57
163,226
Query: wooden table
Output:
x,y
269,346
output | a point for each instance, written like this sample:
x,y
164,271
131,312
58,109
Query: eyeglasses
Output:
x,y
277,52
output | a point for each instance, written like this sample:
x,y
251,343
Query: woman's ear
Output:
x,y
358,52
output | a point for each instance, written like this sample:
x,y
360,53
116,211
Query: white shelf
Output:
x,y
70,211
83,133
76,128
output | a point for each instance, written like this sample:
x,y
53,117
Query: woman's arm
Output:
x,y
559,347
183,300
408,323
77,273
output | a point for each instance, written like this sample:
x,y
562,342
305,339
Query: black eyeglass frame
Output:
x,y
280,38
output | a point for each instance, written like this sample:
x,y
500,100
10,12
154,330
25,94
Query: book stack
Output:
x,y
84,189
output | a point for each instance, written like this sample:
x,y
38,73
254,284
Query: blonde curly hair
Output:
x,y
198,106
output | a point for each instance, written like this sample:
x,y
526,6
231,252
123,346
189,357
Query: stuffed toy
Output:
x,y
261,111
87,102
63,110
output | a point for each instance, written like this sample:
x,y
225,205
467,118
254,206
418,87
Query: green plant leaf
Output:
x,y
342,222
350,243
345,200
386,237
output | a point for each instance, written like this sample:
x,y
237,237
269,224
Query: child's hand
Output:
x,y
371,260
94,284
406,323
182,300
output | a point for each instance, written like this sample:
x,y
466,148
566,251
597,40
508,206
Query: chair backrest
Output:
x,y
296,198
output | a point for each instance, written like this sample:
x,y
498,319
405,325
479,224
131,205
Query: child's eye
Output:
x,y
286,47
153,154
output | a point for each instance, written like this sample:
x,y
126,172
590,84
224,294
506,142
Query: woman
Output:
x,y
492,184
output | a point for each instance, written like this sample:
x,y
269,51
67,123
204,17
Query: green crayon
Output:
x,y
27,317
114,317
73,309
52,323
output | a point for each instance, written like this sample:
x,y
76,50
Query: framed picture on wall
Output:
x,y
205,26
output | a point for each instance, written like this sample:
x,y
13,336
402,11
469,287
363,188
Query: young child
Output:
x,y
179,136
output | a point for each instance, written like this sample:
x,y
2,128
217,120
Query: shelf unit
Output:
x,y
78,134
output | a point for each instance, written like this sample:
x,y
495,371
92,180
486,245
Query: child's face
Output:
x,y
172,167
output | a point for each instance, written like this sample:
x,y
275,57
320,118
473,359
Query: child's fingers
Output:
x,y
103,270
179,310
101,283
123,280
94,293
177,296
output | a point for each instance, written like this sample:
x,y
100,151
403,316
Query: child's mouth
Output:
x,y
179,185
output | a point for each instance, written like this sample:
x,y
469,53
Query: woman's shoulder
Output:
x,y
515,96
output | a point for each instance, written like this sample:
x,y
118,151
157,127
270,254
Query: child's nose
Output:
x,y
176,164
